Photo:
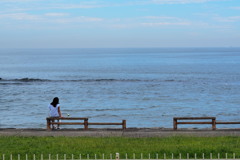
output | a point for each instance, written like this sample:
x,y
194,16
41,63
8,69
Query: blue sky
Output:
x,y
119,23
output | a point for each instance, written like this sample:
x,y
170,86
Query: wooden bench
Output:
x,y
55,120
186,121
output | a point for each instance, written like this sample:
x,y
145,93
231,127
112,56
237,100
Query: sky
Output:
x,y
119,23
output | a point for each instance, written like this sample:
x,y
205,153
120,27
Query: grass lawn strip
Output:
x,y
134,147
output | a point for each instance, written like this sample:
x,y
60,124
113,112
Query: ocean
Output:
x,y
145,86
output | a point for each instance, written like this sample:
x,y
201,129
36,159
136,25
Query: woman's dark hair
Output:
x,y
55,101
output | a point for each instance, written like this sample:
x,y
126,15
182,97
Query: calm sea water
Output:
x,y
147,87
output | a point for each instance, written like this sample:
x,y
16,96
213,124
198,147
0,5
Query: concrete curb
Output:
x,y
131,132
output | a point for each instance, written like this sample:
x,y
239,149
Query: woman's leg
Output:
x,y
58,124
53,127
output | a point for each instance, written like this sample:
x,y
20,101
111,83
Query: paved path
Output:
x,y
131,132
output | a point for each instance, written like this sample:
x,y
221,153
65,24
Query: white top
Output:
x,y
53,110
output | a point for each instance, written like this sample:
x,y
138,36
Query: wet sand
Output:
x,y
130,132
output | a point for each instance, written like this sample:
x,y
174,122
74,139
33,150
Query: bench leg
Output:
x,y
48,124
214,124
85,124
124,125
175,124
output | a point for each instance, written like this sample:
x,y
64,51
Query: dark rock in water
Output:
x,y
0,78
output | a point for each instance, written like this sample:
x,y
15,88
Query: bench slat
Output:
x,y
227,122
67,118
105,123
67,123
192,118
194,122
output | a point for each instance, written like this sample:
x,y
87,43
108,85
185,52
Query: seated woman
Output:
x,y
54,109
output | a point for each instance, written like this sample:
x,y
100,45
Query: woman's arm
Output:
x,y
59,112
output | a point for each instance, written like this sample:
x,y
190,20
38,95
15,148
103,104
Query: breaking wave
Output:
x,y
22,80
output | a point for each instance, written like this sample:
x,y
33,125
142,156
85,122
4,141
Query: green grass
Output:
x,y
89,145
